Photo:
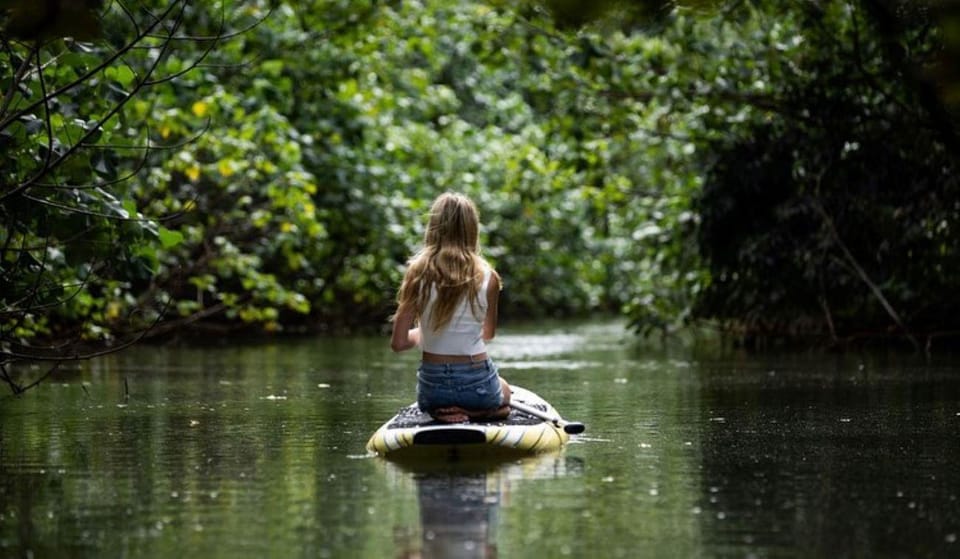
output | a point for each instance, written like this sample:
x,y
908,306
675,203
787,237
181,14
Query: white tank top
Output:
x,y
463,335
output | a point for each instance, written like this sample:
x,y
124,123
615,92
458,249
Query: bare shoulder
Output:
x,y
493,286
494,280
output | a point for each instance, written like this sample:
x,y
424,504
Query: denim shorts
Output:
x,y
471,386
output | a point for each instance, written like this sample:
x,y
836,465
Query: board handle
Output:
x,y
571,427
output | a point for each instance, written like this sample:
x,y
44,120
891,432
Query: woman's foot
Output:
x,y
456,414
497,413
453,414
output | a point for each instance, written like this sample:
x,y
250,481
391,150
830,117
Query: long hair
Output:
x,y
449,261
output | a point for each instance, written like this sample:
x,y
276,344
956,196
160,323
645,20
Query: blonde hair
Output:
x,y
450,261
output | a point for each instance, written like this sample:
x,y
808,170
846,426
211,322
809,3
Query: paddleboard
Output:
x,y
413,433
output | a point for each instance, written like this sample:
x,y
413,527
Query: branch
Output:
x,y
47,167
89,74
42,378
877,292
5,376
17,78
219,36
13,309
46,112
939,117
58,356
166,327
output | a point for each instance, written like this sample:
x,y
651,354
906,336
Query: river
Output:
x,y
258,451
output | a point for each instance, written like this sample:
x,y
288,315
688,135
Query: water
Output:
x,y
259,451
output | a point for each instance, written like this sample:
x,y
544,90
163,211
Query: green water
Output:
x,y
258,451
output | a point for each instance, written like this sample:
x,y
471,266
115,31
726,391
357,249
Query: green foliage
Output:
x,y
821,218
77,256
778,170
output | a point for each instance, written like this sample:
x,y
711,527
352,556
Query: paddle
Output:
x,y
572,427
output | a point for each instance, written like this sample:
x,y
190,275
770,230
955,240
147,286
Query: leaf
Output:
x,y
169,238
192,172
200,108
272,68
131,208
226,167
103,165
121,74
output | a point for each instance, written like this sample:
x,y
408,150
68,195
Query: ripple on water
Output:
x,y
547,364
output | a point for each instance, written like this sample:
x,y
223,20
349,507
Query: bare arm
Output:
x,y
493,301
405,336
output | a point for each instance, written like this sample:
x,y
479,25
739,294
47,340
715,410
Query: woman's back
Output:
x,y
453,293
463,334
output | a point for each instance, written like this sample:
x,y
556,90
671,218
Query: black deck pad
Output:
x,y
411,416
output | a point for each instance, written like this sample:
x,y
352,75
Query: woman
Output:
x,y
451,292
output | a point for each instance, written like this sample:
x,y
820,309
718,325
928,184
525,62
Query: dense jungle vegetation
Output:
x,y
781,171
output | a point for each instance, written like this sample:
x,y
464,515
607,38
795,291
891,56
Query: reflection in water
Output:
x,y
460,502
458,515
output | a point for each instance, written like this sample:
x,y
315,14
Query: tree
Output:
x,y
73,244
834,216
